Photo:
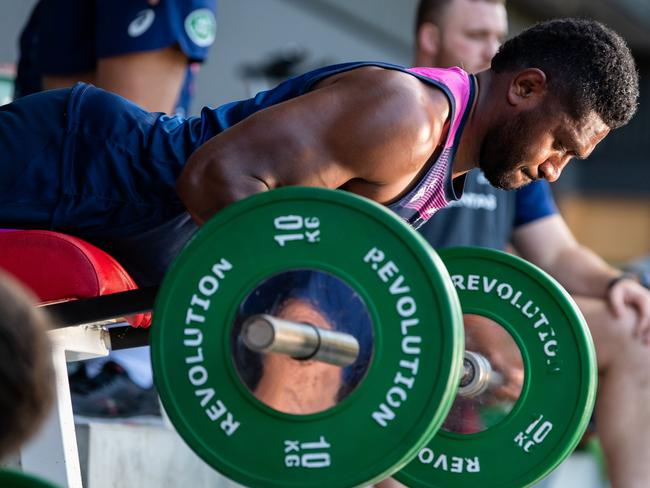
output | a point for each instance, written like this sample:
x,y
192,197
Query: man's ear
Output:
x,y
527,87
428,44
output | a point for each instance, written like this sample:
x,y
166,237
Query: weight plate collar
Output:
x,y
417,329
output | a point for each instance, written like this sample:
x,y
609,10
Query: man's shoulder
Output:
x,y
394,92
453,73
387,75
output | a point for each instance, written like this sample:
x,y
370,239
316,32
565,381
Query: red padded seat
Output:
x,y
58,267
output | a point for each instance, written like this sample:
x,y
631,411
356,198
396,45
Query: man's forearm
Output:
x,y
210,181
582,272
549,243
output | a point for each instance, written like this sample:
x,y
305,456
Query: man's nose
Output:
x,y
553,169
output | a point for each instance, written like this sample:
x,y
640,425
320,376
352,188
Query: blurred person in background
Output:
x,y
26,372
145,50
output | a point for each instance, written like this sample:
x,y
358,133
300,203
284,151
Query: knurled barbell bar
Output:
x,y
267,334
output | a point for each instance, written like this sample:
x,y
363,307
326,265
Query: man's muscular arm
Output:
x,y
371,125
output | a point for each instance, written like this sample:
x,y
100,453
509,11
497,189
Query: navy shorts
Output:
x,y
68,36
89,163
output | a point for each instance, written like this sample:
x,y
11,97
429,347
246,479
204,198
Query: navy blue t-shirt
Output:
x,y
486,216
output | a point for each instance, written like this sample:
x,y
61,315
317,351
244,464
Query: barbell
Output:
x,y
308,337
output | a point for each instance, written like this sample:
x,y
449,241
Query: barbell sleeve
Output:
x,y
477,376
265,333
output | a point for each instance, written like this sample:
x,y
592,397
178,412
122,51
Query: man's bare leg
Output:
x,y
389,483
622,413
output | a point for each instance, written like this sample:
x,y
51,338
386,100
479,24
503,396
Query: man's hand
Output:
x,y
628,292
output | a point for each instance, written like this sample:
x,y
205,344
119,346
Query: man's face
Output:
x,y
537,144
471,32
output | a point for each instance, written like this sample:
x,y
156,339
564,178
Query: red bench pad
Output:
x,y
61,267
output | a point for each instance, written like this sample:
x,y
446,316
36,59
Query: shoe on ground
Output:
x,y
80,382
115,395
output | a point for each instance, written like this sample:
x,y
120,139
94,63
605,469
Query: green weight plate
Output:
x,y
15,479
550,413
416,334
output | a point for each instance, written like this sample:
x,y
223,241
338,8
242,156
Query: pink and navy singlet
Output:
x,y
435,189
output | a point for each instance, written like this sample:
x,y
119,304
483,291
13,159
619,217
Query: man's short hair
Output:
x,y
432,10
588,65
26,378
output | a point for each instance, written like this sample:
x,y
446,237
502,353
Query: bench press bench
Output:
x,y
59,267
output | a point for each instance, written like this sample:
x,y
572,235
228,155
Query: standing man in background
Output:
x,y
148,51
468,33
145,50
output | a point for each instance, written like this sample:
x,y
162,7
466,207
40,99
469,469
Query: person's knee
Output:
x,y
620,331
26,378
631,352
613,335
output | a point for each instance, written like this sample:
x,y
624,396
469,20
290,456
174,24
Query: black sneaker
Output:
x,y
115,395
79,381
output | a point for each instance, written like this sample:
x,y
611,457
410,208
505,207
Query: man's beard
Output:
x,y
504,150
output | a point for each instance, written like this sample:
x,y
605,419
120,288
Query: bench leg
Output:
x,y
52,454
